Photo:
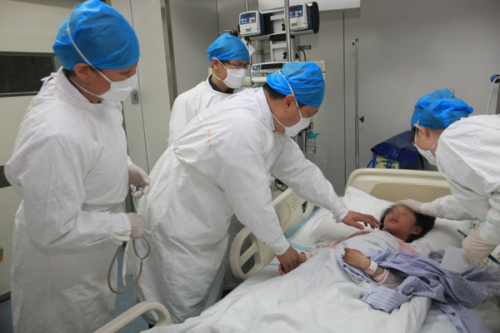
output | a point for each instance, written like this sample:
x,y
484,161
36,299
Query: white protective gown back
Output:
x,y
218,166
188,104
70,167
468,156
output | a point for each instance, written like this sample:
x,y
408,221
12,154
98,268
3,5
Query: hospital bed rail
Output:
x,y
135,312
291,210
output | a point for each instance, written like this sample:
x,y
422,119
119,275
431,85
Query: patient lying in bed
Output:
x,y
399,221
454,294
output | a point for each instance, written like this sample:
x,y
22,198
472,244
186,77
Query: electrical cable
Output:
x,y
141,258
304,53
494,80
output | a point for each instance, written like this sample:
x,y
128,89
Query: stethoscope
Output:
x,y
124,263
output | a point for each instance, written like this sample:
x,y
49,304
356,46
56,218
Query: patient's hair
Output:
x,y
426,222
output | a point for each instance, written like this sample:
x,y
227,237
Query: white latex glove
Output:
x,y
137,176
419,207
476,249
137,224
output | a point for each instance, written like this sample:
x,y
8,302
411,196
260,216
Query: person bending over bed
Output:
x,y
398,220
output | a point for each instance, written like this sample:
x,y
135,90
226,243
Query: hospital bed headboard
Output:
x,y
291,210
395,184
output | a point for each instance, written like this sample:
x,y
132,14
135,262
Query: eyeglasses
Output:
x,y
238,66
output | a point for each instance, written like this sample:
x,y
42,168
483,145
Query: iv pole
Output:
x,y
287,31
357,119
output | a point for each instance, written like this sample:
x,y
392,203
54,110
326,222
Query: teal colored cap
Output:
x,y
312,135
101,33
306,80
227,47
439,109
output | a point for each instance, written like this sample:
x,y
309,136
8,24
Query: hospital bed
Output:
x,y
368,191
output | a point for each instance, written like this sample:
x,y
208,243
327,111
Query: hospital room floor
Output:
x,y
123,303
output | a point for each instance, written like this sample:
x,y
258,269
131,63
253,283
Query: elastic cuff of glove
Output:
x,y
281,247
427,208
120,228
341,213
489,235
129,161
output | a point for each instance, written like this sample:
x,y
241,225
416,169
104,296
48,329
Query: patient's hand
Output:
x,y
356,259
352,218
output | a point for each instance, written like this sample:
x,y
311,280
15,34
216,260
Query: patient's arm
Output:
x,y
357,259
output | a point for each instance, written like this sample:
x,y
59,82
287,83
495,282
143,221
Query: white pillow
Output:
x,y
329,230
443,234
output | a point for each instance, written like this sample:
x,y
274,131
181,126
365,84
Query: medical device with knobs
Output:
x,y
251,23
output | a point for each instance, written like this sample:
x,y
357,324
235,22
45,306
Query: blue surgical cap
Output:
x,y
101,33
439,109
306,80
228,47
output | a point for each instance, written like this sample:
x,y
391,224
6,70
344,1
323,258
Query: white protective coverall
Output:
x,y
70,167
220,165
468,156
188,104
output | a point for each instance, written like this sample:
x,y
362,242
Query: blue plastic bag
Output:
x,y
398,151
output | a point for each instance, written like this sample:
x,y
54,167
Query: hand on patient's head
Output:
x,y
352,218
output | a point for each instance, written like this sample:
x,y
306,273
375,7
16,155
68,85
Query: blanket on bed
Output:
x,y
318,296
454,293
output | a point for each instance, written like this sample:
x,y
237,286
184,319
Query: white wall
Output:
x,y
327,45
410,48
194,28
146,123
25,26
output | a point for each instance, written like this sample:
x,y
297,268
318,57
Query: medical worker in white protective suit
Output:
x,y
467,153
221,165
229,57
70,167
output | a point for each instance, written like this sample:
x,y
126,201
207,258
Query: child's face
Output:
x,y
401,222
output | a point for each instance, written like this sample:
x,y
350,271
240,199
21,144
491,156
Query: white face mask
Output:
x,y
296,128
427,154
234,77
118,90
